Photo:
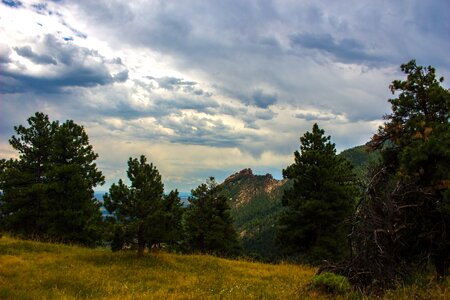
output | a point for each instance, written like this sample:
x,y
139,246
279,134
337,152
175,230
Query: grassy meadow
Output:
x,y
36,270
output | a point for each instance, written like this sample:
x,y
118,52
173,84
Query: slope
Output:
x,y
255,204
35,270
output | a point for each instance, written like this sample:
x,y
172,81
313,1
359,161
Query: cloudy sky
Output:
x,y
206,88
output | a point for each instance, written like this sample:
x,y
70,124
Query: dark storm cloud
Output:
x,y
67,53
158,108
250,119
248,41
73,66
203,131
41,59
347,49
178,84
172,83
167,106
261,99
121,76
80,76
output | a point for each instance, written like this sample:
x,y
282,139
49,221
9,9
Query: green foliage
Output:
x,y
23,181
419,131
141,211
48,191
172,219
404,218
331,283
361,158
209,226
320,200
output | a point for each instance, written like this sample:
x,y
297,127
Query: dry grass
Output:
x,y
35,270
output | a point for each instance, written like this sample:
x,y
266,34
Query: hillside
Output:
x,y
360,158
34,270
256,203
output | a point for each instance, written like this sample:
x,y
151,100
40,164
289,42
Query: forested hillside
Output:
x,y
360,157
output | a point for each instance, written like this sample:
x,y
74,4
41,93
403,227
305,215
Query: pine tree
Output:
x,y
313,225
23,181
72,213
403,220
138,209
415,143
172,218
48,191
209,226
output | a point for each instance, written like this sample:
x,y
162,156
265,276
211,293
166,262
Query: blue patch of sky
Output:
x,y
40,6
12,3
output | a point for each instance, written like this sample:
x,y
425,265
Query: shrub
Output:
x,y
331,283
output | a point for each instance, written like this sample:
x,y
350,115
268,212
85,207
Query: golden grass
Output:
x,y
35,270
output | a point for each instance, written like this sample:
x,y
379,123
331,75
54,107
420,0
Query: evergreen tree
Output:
x,y
209,226
313,224
417,130
72,212
415,143
23,181
48,191
403,220
138,209
172,218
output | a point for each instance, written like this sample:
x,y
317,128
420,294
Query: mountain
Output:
x,y
255,205
255,202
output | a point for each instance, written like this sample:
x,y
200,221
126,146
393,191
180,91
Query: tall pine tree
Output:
x,y
404,219
173,211
73,213
209,226
48,191
313,225
141,211
23,181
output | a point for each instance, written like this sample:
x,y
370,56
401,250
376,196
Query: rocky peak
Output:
x,y
247,174
243,186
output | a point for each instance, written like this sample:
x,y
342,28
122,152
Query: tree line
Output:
x,y
48,193
372,231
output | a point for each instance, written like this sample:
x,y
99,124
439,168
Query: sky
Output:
x,y
207,88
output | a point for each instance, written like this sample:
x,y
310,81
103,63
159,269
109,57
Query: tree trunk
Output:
x,y
141,241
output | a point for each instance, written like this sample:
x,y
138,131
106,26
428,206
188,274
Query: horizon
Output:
x,y
208,89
